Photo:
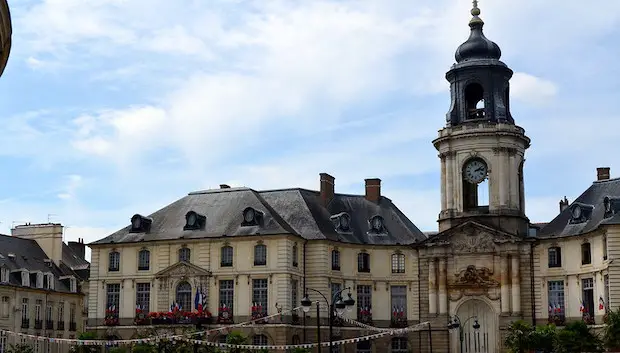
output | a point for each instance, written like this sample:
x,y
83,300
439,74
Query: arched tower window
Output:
x,y
475,184
184,296
474,100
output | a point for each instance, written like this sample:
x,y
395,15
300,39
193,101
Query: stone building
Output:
x,y
41,282
486,266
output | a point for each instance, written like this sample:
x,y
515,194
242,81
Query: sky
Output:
x,y
116,107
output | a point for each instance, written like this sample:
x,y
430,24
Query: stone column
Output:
x,y
443,287
432,286
515,284
504,285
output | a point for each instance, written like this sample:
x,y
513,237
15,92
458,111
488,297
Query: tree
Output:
x,y
518,339
577,337
543,338
20,348
611,335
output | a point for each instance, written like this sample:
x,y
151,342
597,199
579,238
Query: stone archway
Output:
x,y
483,340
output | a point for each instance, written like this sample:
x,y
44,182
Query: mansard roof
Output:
x,y
594,198
295,211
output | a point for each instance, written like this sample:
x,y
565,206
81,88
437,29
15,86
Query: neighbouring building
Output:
x,y
41,284
254,252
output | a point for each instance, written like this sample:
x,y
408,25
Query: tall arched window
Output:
x,y
114,261
260,255
184,296
226,259
144,260
184,254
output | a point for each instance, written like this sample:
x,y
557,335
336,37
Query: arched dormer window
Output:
x,y
342,222
377,225
398,263
580,212
252,217
363,262
184,254
184,296
114,261
260,255
140,224
144,260
335,260
586,254
226,259
194,221
554,255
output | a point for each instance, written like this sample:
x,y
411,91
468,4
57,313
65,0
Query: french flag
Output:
x,y
581,307
601,303
558,308
198,300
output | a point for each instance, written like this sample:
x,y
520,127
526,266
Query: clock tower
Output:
x,y
481,148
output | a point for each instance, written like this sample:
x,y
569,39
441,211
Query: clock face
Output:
x,y
576,212
475,171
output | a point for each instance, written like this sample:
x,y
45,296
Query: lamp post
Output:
x,y
336,305
455,323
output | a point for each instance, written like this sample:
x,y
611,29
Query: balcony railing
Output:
x,y
60,325
398,321
365,317
72,326
25,323
49,324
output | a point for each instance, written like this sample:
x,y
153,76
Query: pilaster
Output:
x,y
432,286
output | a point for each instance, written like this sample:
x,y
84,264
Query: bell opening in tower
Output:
x,y
475,185
474,98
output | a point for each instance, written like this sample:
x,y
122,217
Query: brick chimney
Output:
x,y
78,248
602,173
327,187
373,189
563,204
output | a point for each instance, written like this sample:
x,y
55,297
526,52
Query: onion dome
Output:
x,y
477,45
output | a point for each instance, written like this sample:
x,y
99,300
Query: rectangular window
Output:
x,y
61,312
227,256
398,263
335,288
113,296
259,293
363,262
144,260
586,256
227,293
295,256
49,312
588,297
398,298
37,309
3,342
260,255
143,296
5,306
72,313
555,257
364,300
556,298
24,309
294,298
4,275
335,260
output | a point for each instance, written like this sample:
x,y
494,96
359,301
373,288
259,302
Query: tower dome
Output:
x,y
477,45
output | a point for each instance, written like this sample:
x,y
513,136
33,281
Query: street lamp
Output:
x,y
337,305
455,323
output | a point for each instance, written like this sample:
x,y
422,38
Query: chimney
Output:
x,y
78,248
224,186
327,188
602,173
373,189
563,204
48,236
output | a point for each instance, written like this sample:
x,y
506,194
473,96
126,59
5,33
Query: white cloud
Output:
x,y
532,89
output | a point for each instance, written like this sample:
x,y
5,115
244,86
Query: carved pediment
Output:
x,y
183,270
471,237
475,277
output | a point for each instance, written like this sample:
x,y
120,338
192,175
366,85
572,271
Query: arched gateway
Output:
x,y
466,339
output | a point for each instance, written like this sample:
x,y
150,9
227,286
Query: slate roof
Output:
x,y
560,226
29,256
295,211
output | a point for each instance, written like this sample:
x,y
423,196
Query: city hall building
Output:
x,y
252,253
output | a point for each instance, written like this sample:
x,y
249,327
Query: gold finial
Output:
x,y
475,11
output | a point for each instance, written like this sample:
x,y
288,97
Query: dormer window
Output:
x,y
50,281
580,212
140,224
25,278
252,217
194,221
342,222
73,285
611,205
4,275
377,225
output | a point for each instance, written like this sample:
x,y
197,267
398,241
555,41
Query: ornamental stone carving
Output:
x,y
478,277
471,242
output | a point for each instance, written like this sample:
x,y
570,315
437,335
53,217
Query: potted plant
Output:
x,y
111,317
365,316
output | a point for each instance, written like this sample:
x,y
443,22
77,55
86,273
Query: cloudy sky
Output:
x,y
116,107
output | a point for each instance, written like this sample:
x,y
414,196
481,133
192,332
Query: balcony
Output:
x,y
49,324
398,321
38,324
72,326
364,316
225,315
60,325
25,323
172,318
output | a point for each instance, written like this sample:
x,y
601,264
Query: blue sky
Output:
x,y
116,107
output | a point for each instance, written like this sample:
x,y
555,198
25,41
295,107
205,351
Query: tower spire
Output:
x,y
475,12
